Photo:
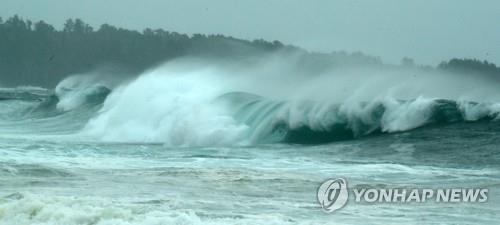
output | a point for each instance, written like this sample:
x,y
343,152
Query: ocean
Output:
x,y
191,152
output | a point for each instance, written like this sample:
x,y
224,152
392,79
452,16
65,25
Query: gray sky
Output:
x,y
427,30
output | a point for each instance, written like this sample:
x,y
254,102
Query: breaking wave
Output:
x,y
186,107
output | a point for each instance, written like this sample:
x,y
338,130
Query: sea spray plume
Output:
x,y
169,105
285,76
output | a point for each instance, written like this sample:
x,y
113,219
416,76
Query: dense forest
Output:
x,y
470,65
38,54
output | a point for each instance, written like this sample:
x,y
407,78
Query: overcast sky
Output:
x,y
427,30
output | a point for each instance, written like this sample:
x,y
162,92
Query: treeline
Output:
x,y
470,66
38,54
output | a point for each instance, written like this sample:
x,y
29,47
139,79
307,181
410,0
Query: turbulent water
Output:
x,y
191,152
